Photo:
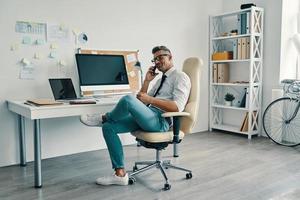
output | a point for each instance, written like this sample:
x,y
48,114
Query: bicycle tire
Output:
x,y
275,122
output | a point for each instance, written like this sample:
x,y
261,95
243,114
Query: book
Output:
x,y
243,23
247,47
243,48
247,98
244,126
234,49
239,24
43,102
215,73
223,73
239,48
248,22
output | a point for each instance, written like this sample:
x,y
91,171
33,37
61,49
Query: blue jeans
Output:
x,y
130,114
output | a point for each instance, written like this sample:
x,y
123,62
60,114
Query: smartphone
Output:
x,y
153,71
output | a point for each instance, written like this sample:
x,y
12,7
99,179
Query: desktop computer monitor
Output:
x,y
101,72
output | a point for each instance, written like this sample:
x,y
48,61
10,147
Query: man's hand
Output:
x,y
144,97
150,75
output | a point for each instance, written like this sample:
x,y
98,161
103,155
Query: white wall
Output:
x,y
289,54
111,25
272,36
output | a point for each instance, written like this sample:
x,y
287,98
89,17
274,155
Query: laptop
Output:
x,y
63,90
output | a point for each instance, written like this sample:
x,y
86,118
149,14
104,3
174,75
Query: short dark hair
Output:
x,y
159,48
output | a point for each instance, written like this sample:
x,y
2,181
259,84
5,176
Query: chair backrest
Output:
x,y
192,67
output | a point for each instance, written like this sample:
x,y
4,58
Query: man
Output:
x,y
169,94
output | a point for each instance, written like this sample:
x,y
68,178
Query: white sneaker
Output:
x,y
91,119
113,180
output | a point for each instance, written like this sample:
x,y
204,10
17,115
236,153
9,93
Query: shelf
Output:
x,y
229,61
231,128
235,84
230,37
228,14
234,36
229,107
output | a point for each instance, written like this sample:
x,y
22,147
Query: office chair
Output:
x,y
183,122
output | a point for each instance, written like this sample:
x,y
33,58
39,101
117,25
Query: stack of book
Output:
x,y
241,48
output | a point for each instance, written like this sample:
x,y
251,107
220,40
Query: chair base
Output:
x,y
160,164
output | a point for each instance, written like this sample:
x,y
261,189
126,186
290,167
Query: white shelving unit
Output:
x,y
243,73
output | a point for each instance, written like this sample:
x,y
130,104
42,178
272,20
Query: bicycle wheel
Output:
x,y
276,124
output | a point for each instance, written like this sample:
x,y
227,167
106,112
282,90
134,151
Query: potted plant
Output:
x,y
228,99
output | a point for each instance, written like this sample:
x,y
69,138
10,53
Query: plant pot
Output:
x,y
228,103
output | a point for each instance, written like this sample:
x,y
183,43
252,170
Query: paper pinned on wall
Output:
x,y
131,58
26,40
58,33
27,72
30,28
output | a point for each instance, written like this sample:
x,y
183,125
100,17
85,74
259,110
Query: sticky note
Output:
x,y
131,58
53,54
37,56
26,40
75,31
14,47
25,61
53,46
62,27
62,63
40,41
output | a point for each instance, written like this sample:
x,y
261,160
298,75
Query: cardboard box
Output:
x,y
225,55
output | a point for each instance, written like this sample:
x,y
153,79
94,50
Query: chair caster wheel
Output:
x,y
189,175
167,186
134,168
131,180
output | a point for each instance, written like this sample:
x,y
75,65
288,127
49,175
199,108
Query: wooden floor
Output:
x,y
225,166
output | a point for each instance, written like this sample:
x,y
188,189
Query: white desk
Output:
x,y
45,112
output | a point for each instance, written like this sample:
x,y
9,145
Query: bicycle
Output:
x,y
281,120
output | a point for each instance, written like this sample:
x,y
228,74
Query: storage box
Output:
x,y
225,55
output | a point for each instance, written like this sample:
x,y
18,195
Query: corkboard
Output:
x,y
130,60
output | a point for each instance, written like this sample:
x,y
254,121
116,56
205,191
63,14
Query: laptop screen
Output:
x,y
62,89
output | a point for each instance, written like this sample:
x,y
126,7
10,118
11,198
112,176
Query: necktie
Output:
x,y
161,83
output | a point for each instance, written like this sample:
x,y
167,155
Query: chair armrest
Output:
x,y
176,123
175,114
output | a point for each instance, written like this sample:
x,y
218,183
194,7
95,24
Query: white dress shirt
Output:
x,y
176,88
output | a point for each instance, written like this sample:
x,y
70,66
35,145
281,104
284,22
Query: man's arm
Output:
x,y
145,86
148,78
166,105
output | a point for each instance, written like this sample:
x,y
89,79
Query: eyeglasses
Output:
x,y
159,58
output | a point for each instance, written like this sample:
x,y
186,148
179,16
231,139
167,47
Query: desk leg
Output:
x,y
37,154
22,141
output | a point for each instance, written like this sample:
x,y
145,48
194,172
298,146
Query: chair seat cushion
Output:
x,y
156,137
